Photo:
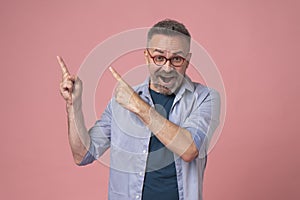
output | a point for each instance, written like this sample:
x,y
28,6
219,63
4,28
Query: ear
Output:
x,y
188,58
146,56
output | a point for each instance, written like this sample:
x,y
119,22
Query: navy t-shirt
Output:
x,y
160,181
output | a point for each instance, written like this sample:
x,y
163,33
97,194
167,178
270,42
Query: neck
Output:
x,y
160,89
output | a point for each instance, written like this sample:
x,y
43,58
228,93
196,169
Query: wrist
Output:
x,y
141,107
74,107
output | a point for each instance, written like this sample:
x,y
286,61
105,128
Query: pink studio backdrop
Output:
x,y
255,45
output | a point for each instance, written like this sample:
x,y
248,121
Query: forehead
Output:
x,y
169,43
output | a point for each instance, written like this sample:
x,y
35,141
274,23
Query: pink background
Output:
x,y
255,45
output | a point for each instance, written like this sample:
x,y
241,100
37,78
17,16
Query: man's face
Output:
x,y
166,77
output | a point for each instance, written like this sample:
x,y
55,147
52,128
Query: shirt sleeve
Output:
x,y
100,137
204,119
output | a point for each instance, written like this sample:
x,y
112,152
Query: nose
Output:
x,y
167,67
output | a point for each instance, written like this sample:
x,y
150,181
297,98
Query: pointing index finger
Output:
x,y
115,74
64,69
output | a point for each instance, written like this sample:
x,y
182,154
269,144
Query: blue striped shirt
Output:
x,y
195,108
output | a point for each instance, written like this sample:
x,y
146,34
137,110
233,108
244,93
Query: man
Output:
x,y
158,133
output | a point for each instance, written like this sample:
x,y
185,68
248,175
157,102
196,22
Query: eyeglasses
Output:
x,y
160,60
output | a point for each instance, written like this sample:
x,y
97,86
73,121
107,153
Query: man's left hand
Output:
x,y
125,95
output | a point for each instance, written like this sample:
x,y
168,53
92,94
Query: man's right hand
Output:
x,y
71,91
70,86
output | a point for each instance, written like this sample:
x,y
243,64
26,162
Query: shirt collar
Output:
x,y
187,84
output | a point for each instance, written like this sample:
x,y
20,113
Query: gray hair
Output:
x,y
169,27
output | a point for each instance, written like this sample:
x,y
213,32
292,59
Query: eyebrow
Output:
x,y
175,53
158,50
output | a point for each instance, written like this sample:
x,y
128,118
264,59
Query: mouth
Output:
x,y
166,79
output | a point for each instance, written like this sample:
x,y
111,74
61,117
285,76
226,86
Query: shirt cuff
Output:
x,y
88,158
200,140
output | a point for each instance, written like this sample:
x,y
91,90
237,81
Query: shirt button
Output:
x,y
137,196
144,151
141,173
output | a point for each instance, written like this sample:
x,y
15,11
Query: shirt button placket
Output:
x,y
141,173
